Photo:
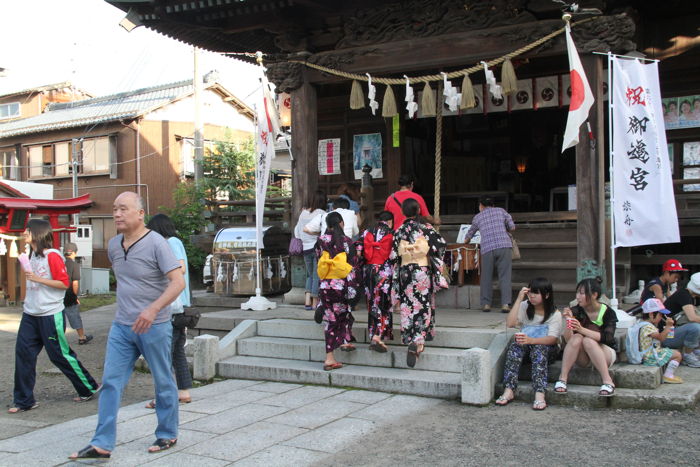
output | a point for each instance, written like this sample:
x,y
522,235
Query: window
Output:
x,y
11,110
103,229
95,156
9,169
187,154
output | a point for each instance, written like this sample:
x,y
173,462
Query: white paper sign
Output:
x,y
644,207
329,156
463,229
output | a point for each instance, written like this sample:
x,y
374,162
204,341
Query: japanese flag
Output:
x,y
581,95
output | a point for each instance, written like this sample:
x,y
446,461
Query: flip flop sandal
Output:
x,y
539,405
608,389
89,452
87,339
162,444
14,410
560,387
412,355
503,401
334,366
377,347
152,403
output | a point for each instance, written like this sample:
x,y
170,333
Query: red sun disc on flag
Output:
x,y
577,92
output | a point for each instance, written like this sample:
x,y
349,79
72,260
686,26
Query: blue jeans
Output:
x,y
123,348
686,335
312,280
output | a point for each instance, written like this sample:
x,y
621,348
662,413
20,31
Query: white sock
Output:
x,y
672,365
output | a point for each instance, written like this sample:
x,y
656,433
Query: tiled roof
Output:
x,y
47,87
125,105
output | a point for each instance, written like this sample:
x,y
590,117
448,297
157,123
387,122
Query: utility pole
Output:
x,y
74,169
198,125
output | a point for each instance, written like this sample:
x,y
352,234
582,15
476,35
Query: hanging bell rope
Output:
x,y
438,152
450,75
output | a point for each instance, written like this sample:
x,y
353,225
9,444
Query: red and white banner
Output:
x,y
644,208
267,129
581,95
329,156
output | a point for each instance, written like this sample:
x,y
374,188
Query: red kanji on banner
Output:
x,y
634,96
329,157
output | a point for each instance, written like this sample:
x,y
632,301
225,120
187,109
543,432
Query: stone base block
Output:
x,y
477,388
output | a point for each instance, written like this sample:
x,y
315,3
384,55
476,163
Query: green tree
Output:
x,y
229,171
188,217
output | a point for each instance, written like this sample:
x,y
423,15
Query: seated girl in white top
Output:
x,y
540,323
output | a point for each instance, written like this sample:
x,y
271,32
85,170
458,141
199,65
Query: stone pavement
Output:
x,y
233,422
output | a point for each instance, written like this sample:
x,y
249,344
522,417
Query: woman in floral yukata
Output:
x,y
373,250
417,259
338,287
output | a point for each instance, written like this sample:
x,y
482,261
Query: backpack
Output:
x,y
634,353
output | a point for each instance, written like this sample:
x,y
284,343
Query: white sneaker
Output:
x,y
696,352
691,360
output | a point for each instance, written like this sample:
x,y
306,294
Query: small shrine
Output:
x,y
14,215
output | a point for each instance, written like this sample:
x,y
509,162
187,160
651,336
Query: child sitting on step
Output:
x,y
650,340
541,326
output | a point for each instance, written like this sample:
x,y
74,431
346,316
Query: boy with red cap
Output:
x,y
659,287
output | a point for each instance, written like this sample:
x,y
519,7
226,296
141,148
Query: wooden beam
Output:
x,y
441,52
304,146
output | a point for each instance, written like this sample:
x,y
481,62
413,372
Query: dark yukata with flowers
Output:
x,y
336,295
373,250
414,285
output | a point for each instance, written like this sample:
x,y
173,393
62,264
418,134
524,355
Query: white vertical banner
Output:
x,y
644,207
267,129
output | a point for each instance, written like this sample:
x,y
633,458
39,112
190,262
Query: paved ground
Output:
x,y
239,422
251,423
53,391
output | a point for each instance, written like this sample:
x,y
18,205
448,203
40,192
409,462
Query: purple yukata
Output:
x,y
336,295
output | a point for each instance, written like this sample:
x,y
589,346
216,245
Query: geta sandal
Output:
x,y
332,366
412,354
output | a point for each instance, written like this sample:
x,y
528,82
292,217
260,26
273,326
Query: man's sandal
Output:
x,y
607,390
89,452
162,444
560,387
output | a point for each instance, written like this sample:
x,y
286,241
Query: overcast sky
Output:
x,y
49,41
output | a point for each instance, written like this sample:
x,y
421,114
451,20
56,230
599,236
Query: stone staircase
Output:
x,y
293,350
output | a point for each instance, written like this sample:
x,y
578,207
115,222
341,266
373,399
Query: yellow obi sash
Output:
x,y
414,252
336,268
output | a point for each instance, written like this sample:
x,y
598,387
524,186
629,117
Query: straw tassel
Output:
x,y
468,100
357,98
509,82
428,102
389,103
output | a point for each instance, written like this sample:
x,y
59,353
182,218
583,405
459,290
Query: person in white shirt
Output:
x,y
317,225
313,207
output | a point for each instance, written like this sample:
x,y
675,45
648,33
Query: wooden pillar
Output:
x,y
590,181
304,146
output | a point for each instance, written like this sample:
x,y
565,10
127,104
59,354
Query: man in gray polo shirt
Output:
x,y
148,280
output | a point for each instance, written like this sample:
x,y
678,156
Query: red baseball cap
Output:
x,y
673,265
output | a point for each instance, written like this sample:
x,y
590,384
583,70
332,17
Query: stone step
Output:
x,y
666,397
624,375
432,359
459,338
396,380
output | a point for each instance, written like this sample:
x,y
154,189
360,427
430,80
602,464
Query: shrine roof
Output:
x,y
81,202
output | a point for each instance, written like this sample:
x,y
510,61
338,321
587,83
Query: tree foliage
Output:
x,y
188,216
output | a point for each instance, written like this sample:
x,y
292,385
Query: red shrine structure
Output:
x,y
14,215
